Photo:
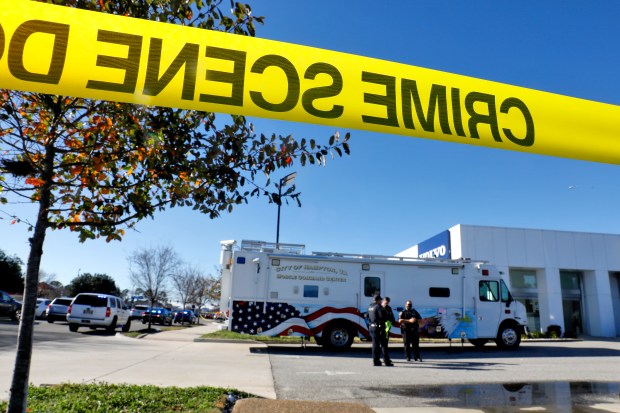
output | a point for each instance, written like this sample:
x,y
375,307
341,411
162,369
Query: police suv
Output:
x,y
98,311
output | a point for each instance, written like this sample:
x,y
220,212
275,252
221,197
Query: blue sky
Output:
x,y
394,191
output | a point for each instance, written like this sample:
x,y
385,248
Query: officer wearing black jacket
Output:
x,y
377,316
408,319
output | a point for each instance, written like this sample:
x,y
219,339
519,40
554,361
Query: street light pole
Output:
x,y
288,179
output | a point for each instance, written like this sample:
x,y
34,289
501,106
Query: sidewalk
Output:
x,y
169,358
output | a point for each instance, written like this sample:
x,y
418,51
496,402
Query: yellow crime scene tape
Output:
x,y
65,51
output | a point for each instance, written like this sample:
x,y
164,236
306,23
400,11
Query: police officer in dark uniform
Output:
x,y
408,319
377,316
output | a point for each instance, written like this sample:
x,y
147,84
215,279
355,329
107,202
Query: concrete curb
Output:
x,y
297,406
227,340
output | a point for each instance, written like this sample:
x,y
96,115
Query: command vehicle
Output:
x,y
279,290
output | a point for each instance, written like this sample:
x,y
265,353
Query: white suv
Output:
x,y
98,311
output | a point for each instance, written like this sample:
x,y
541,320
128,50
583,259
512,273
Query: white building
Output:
x,y
570,279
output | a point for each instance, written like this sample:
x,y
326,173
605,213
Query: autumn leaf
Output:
x,y
98,164
34,181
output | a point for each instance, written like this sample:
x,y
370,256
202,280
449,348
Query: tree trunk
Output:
x,y
19,386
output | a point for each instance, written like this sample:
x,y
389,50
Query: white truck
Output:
x,y
278,290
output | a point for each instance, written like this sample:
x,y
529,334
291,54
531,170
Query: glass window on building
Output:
x,y
570,280
571,302
523,279
615,298
524,289
533,313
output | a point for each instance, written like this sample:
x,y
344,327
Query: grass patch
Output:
x,y
132,334
229,335
152,330
172,328
112,398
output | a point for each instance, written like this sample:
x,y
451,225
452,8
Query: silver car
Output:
x,y
41,310
57,310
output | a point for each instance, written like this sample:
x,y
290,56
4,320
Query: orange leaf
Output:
x,y
97,165
34,181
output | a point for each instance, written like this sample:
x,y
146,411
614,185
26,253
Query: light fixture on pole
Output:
x,y
288,179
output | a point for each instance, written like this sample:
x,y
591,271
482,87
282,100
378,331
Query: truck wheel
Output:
x,y
508,338
337,337
478,342
127,326
73,327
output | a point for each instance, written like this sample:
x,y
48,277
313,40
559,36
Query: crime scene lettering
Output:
x,y
203,71
17,50
158,78
1,41
481,108
130,64
236,78
187,57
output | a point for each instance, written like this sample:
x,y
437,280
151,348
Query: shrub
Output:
x,y
554,331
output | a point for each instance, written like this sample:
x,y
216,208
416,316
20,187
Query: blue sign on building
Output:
x,y
436,247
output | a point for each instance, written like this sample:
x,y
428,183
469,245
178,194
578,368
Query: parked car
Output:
x,y
42,304
137,312
186,316
9,307
98,311
57,309
157,315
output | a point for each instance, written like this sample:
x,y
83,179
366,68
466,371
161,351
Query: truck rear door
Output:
x,y
371,283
